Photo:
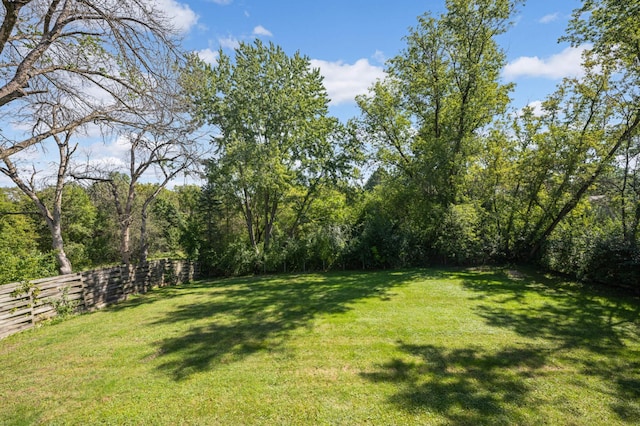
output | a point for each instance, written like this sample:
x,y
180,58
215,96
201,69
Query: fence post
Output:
x,y
124,274
32,306
84,292
97,289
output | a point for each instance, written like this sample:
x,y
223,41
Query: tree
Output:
x,y
68,64
550,181
166,152
161,138
588,121
78,223
614,33
440,92
276,144
52,214
427,120
626,184
92,60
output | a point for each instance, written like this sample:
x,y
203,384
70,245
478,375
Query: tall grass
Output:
x,y
404,347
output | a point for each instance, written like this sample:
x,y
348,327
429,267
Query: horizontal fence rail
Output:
x,y
24,305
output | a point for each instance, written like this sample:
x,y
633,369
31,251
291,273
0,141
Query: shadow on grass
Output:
x,y
569,314
602,325
239,317
594,332
467,386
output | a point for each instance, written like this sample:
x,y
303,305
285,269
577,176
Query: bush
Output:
x,y
614,263
239,259
26,266
458,239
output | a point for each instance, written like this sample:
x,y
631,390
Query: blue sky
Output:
x,y
349,40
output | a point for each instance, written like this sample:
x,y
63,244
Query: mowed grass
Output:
x,y
484,346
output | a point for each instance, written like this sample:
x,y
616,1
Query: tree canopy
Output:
x,y
276,146
453,175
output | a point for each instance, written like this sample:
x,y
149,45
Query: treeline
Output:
x,y
460,177
438,168
90,228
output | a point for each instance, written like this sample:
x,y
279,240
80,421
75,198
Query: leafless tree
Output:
x,y
70,65
161,138
95,58
167,154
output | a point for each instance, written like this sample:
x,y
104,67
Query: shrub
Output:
x,y
614,263
16,267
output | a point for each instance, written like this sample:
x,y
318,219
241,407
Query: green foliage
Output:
x,y
277,148
389,231
79,220
440,91
611,261
459,240
474,187
427,122
29,265
459,178
165,230
191,220
239,259
63,305
19,251
279,156
26,288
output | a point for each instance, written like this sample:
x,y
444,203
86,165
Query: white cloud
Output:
x,y
110,155
379,56
181,15
344,81
261,31
549,18
536,108
229,42
208,55
105,164
567,63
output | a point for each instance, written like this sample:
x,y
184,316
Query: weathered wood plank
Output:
x,y
57,279
9,299
8,331
39,310
9,288
90,290
15,314
20,304
13,322
59,284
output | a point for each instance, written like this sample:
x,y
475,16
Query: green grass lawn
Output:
x,y
405,347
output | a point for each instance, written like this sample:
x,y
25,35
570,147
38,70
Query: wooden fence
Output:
x,y
23,305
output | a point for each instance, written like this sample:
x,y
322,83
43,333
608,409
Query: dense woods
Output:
x,y
438,168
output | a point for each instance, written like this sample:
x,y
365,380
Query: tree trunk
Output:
x,y
64,264
270,218
633,232
53,217
248,216
575,199
125,236
144,215
144,244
